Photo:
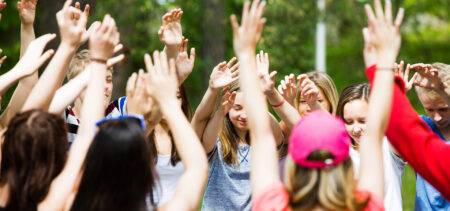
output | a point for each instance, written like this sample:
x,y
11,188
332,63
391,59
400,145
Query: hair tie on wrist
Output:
x,y
278,105
102,61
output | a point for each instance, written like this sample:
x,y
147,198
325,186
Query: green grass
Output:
x,y
408,189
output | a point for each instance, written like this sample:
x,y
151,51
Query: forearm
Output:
x,y
286,111
67,94
211,132
52,78
171,52
204,111
8,79
26,36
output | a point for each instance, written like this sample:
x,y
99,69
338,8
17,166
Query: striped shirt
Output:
x,y
115,108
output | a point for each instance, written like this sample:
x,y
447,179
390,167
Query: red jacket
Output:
x,y
414,140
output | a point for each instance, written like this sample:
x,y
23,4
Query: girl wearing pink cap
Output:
x,y
319,174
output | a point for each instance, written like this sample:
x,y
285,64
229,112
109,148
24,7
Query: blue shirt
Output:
x,y
427,197
228,186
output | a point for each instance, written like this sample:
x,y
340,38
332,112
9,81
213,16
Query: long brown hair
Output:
x,y
186,108
33,154
229,137
330,188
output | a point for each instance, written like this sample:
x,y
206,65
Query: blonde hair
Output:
x,y
326,84
444,76
330,188
228,136
78,64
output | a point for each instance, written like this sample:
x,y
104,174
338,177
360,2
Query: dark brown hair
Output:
x,y
33,154
186,108
350,93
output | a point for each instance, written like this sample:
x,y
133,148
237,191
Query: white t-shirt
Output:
x,y
394,167
168,179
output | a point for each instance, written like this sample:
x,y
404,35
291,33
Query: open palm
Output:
x,y
27,11
171,32
224,75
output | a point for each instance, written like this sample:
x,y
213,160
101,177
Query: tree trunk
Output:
x,y
213,42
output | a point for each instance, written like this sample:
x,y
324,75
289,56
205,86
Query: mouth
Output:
x,y
242,122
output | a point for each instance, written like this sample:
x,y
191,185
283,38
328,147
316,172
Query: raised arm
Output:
x,y
385,38
27,11
2,5
285,111
67,94
162,85
29,64
223,75
264,164
101,45
171,34
71,33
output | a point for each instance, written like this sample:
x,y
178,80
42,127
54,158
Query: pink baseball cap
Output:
x,y
319,130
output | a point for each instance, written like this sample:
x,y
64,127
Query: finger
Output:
x,y
235,74
400,69
388,11
253,11
283,85
245,13
148,63
272,75
234,25
131,84
87,9
157,62
115,60
406,72
414,78
280,90
118,48
164,62
260,9
235,67
301,78
292,79
231,62
399,18
232,97
47,55
77,5
192,56
366,36
370,16
379,10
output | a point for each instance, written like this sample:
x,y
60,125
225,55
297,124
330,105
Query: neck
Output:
x,y
242,135
162,140
445,131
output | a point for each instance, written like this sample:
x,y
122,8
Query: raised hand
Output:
x,y
161,80
226,101
72,24
104,40
33,57
27,11
429,77
384,34
2,59
117,59
267,81
170,32
247,36
288,88
224,74
2,5
138,102
398,71
184,62
309,91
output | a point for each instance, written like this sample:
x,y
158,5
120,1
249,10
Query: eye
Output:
x,y
443,109
348,122
302,101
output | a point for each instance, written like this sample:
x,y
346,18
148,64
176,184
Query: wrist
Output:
x,y
167,105
26,26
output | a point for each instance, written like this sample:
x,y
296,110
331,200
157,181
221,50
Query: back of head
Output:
x,y
33,154
352,92
326,84
118,171
444,76
319,171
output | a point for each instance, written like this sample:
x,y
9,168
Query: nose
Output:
x,y
357,130
243,115
437,117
